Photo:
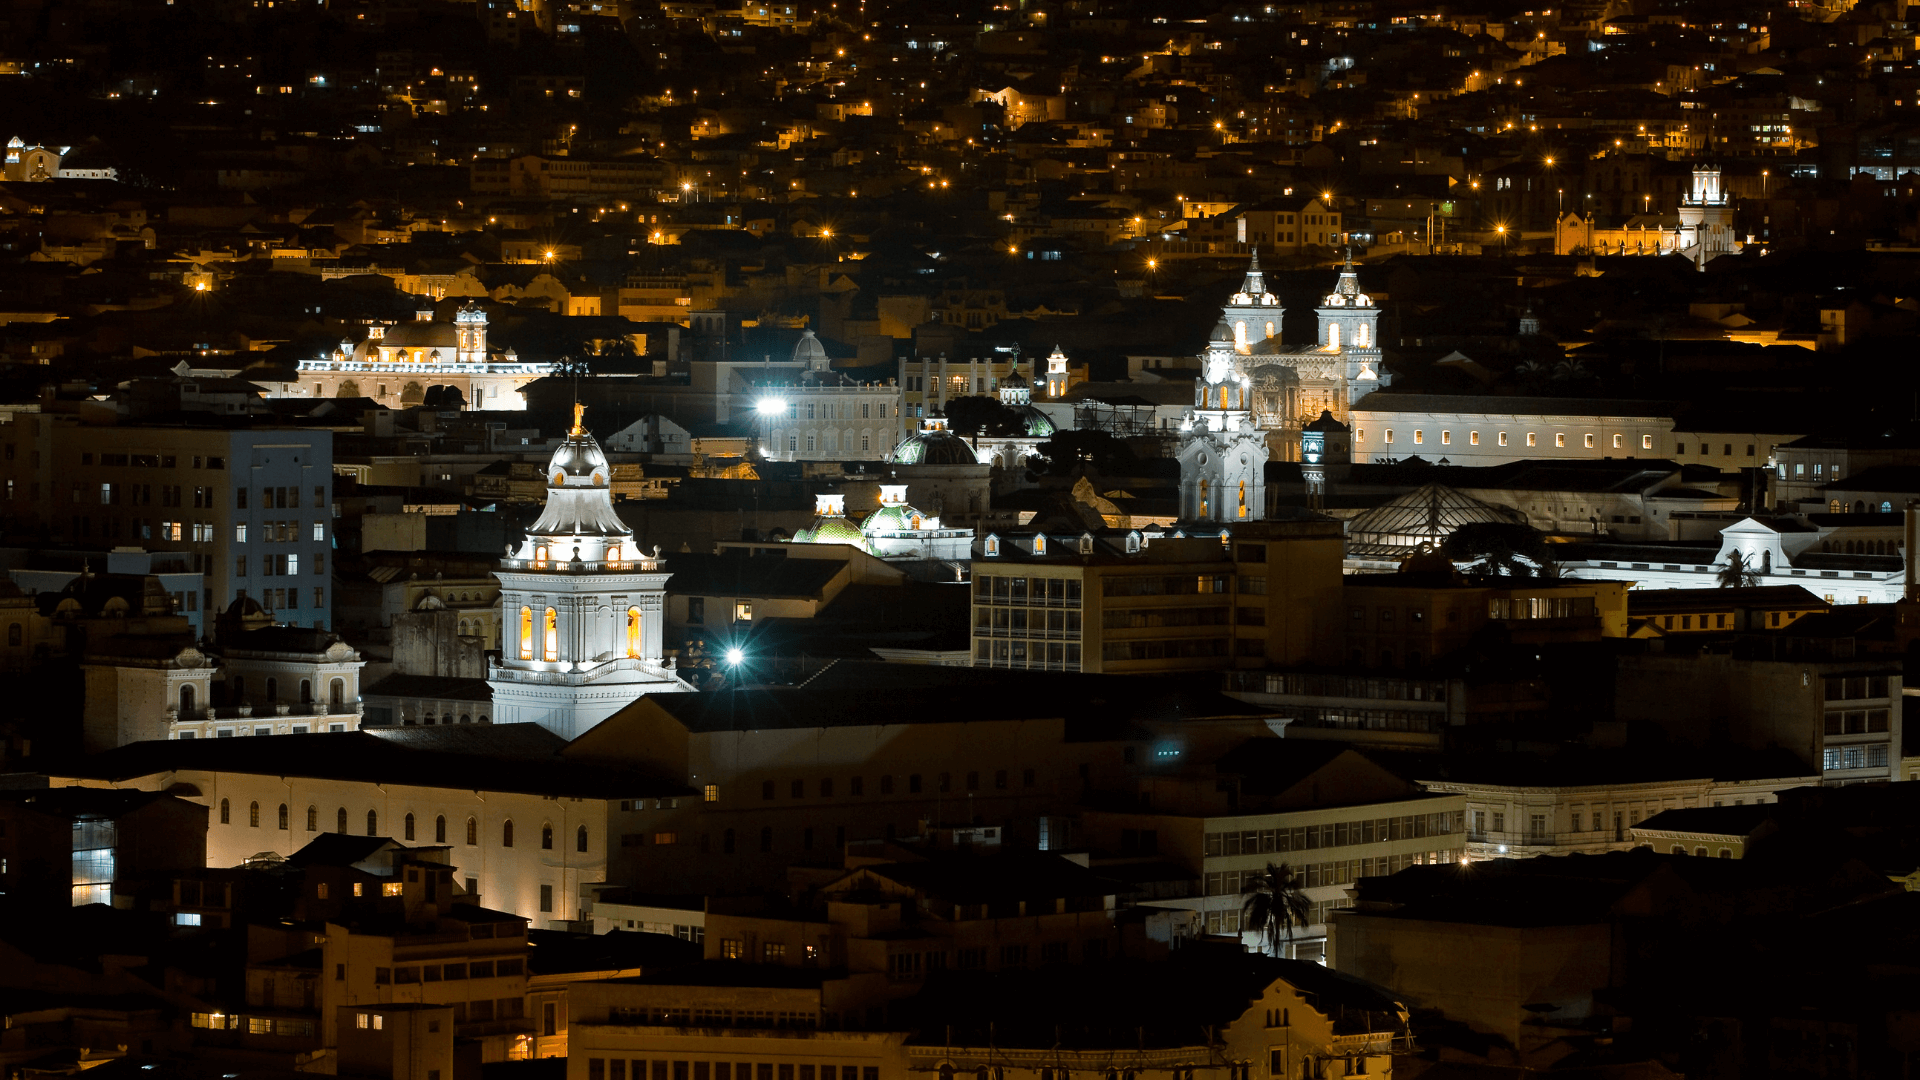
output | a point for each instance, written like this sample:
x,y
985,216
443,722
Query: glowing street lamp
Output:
x,y
734,656
770,406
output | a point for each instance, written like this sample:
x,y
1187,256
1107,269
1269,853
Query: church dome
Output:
x,y
810,352
579,492
830,524
1036,423
894,515
933,444
422,335
1222,334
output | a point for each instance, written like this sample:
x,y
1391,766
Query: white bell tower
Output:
x,y
1350,325
582,610
1223,453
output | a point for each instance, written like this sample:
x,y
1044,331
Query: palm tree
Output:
x,y
1735,574
1274,903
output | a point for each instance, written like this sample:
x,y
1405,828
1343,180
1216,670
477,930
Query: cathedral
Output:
x,y
1256,396
583,606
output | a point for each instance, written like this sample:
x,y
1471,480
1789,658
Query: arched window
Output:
x,y
440,829
253,815
473,832
1360,336
550,641
186,699
526,633
313,819
337,693
226,813
306,691
633,631
1243,498
580,839
407,824
465,718
373,823
340,821
506,834
283,817
613,554
14,634
546,837
273,690
540,550
1333,335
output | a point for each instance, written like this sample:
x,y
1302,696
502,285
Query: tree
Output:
x,y
984,415
1502,549
1735,574
1273,903
1107,454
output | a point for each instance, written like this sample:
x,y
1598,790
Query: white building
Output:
x,y
1771,552
396,366
1222,454
583,605
808,412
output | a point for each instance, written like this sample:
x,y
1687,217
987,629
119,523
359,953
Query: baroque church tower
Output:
x,y
1350,326
1253,314
581,607
1223,454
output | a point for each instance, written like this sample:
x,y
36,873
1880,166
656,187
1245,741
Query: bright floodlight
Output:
x,y
734,656
770,406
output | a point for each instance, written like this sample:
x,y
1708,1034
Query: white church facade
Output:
x,y
1256,396
583,606
396,365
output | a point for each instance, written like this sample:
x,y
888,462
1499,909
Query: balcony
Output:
x,y
295,710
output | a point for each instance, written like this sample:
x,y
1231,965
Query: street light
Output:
x,y
1502,230
735,656
770,406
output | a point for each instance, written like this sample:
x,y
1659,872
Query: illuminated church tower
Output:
x,y
1253,314
1350,325
581,607
470,334
1223,454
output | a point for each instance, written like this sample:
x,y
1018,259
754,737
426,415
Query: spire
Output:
x,y
1256,282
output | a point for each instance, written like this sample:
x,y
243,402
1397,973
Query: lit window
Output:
x,y
743,612
1389,436
1646,442
710,793
1559,438
1446,438
1503,438
1533,439
390,888
1589,440
1473,438
1617,441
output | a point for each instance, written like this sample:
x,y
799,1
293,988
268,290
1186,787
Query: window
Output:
x,y
313,819
506,834
1503,438
546,899
440,830
473,833
283,817
580,839
1533,439
226,813
1473,438
710,793
1446,438
546,837
373,823
253,815
408,826
1646,442
1559,438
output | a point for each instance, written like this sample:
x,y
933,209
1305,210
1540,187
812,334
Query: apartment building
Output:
x,y
252,507
525,832
1327,812
1269,595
